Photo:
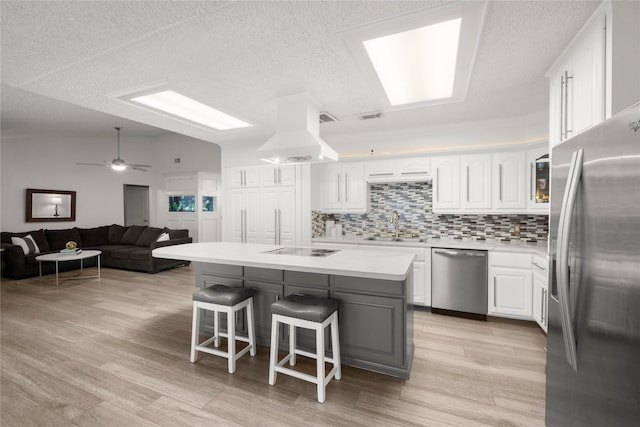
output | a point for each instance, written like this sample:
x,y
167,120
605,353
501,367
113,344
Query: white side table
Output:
x,y
58,258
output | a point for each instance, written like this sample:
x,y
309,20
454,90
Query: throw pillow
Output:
x,y
148,236
27,244
163,237
130,237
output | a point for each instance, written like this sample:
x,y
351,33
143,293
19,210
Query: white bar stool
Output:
x,y
229,300
310,313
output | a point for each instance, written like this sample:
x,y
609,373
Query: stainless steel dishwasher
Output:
x,y
459,282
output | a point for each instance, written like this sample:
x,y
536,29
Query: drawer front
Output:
x,y
368,286
307,279
510,260
264,274
218,269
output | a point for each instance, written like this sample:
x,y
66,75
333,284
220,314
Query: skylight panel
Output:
x,y
417,65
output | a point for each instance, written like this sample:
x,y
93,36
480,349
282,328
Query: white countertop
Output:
x,y
372,264
539,248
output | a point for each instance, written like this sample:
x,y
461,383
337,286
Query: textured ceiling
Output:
x,y
239,56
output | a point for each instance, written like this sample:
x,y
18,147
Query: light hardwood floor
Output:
x,y
115,352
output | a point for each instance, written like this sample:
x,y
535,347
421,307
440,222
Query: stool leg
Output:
x,y
335,345
273,351
195,332
216,329
292,345
320,361
251,327
231,340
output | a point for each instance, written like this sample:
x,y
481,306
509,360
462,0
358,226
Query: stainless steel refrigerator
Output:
x,y
593,343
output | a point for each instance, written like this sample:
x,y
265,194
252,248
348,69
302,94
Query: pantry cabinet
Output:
x,y
278,215
244,215
577,82
344,188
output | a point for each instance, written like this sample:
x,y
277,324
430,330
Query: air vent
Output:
x,y
326,117
371,115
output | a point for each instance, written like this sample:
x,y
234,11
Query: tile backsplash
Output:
x,y
413,201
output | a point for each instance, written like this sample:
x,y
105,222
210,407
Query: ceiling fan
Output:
x,y
118,164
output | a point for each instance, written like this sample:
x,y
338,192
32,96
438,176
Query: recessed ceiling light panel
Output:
x,y
422,58
166,99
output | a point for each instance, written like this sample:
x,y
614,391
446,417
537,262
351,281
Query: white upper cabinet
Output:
x,y
577,82
244,176
538,180
274,176
446,183
509,181
476,182
344,188
399,170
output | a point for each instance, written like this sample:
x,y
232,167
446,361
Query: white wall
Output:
x,y
41,162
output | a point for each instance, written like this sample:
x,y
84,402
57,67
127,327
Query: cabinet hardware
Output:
x,y
381,174
414,173
346,187
279,176
275,175
562,107
567,77
437,184
543,313
495,293
500,181
338,187
531,182
467,183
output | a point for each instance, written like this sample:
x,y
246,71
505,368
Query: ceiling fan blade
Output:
x,y
137,168
92,164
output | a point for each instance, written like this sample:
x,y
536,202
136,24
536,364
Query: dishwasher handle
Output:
x,y
460,253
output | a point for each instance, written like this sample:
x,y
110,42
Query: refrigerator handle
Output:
x,y
562,272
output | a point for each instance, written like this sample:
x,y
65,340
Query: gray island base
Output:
x,y
374,289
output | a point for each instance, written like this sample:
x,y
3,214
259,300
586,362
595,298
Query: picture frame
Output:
x,y
50,205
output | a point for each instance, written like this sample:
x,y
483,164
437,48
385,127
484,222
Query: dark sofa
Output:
x,y
127,248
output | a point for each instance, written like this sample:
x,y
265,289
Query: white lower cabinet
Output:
x,y
244,216
540,276
510,285
278,215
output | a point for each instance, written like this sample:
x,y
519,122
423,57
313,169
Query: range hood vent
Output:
x,y
297,138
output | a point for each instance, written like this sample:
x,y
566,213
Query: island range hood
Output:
x,y
297,138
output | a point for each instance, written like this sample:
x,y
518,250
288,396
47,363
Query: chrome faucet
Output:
x,y
395,220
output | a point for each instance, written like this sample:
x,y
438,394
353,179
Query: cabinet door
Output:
x,y
287,215
287,175
354,187
540,300
533,205
379,170
237,216
269,175
446,184
414,167
382,317
331,183
235,175
476,182
418,283
265,295
252,203
252,176
269,216
509,178
510,292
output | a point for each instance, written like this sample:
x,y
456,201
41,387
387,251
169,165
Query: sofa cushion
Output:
x,y
114,236
124,253
58,238
141,255
38,236
148,236
178,234
130,237
96,236
28,245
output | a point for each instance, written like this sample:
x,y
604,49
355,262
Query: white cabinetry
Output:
x,y
577,82
399,170
476,182
273,176
244,176
540,276
278,214
244,215
509,181
510,285
533,181
344,188
446,184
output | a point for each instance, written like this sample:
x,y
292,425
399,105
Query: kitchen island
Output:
x,y
374,288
